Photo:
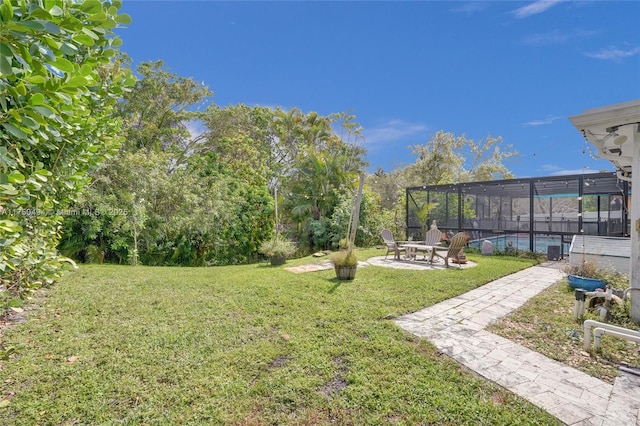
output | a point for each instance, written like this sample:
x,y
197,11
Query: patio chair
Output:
x,y
458,242
392,246
432,238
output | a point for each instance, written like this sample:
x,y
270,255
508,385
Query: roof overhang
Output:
x,y
612,130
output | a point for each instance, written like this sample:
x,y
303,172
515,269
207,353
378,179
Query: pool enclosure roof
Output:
x,y
567,185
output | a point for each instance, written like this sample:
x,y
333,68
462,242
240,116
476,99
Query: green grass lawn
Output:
x,y
546,324
246,345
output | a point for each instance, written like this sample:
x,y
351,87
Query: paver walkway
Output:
x,y
456,327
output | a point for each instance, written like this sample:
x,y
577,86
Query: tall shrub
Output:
x,y
370,222
58,89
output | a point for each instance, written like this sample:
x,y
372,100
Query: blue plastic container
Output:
x,y
589,284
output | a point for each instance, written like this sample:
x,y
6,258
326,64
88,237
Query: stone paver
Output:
x,y
456,327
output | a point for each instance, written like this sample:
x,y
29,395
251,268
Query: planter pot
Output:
x,y
278,260
345,272
589,284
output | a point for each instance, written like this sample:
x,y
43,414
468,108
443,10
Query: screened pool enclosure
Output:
x,y
534,214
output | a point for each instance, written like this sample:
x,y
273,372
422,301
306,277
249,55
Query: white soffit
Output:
x,y
612,130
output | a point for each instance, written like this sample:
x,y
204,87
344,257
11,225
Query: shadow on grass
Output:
x,y
268,265
337,283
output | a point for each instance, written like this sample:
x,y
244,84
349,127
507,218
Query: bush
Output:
x,y
345,258
57,126
277,247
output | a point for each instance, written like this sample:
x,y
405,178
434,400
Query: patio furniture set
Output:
x,y
431,247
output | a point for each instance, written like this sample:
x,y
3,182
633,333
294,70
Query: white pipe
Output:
x,y
578,309
626,292
598,332
588,324
602,312
606,294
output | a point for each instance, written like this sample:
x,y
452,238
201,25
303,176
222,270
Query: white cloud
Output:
x,y
550,168
391,131
556,37
544,122
551,37
613,53
535,8
195,128
555,170
574,172
471,7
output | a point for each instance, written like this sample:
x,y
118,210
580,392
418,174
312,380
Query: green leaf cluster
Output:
x,y
59,85
277,247
170,196
345,258
200,181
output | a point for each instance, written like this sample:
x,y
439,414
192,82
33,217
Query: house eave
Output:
x,y
612,130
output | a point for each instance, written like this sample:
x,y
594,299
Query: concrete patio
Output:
x,y
390,262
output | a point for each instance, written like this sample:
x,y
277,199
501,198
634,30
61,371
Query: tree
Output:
x,y
444,159
188,199
242,139
314,185
389,186
289,128
158,112
203,197
58,91
233,216
124,206
370,222
450,159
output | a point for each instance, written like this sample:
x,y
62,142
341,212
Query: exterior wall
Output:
x,y
606,252
620,264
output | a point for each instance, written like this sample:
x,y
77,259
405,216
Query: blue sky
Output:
x,y
409,69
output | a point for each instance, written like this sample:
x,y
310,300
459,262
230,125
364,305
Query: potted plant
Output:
x,y
587,276
277,249
345,263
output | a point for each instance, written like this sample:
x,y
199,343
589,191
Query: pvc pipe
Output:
x,y
626,293
602,312
577,309
588,324
606,294
581,295
598,332
581,307
629,370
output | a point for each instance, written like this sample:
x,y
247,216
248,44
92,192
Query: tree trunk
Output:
x,y
356,213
